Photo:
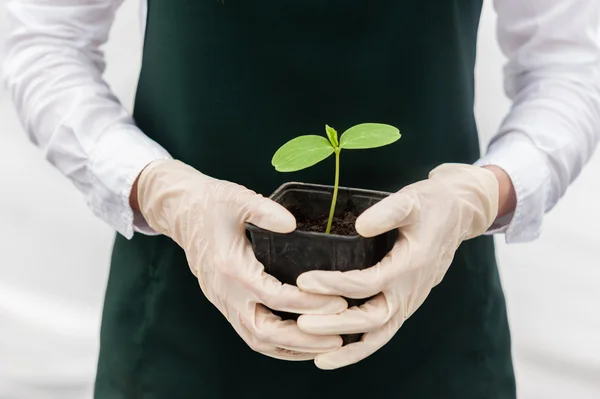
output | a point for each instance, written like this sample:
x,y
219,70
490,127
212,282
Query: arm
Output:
x,y
553,78
53,72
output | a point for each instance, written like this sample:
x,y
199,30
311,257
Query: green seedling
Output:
x,y
305,151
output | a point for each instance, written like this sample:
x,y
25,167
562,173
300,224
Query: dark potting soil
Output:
x,y
342,225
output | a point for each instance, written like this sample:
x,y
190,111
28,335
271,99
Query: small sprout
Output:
x,y
332,136
305,151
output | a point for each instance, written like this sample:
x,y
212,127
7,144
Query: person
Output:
x,y
222,85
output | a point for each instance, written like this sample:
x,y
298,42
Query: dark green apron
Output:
x,y
223,84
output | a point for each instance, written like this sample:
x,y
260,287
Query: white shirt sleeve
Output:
x,y
553,78
53,72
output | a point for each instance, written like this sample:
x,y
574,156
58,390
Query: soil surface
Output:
x,y
342,225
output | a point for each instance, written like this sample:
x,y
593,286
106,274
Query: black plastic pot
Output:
x,y
287,256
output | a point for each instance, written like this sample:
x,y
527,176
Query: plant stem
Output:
x,y
335,189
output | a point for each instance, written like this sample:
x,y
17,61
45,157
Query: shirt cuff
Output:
x,y
118,157
527,168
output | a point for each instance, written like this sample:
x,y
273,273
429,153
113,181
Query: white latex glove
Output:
x,y
206,217
434,216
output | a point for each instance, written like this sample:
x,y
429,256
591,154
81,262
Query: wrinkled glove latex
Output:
x,y
457,202
206,217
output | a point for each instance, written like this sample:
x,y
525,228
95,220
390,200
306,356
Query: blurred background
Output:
x,y
54,257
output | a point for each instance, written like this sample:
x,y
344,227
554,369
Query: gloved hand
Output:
x,y
457,202
206,217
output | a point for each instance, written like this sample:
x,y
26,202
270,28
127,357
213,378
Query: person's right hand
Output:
x,y
206,217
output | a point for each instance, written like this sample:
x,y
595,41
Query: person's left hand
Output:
x,y
457,202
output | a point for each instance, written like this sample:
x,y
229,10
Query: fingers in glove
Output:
x,y
266,213
353,353
407,294
359,284
270,334
372,341
288,298
371,316
268,349
390,213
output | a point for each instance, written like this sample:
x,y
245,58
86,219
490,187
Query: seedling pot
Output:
x,y
287,256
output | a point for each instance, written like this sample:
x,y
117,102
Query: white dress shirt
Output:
x,y
53,71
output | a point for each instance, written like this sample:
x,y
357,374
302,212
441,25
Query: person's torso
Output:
x,y
223,84
237,79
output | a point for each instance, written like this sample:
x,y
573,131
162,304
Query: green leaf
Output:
x,y
301,152
369,135
332,135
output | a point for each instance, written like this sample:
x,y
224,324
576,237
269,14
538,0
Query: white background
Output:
x,y
54,258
